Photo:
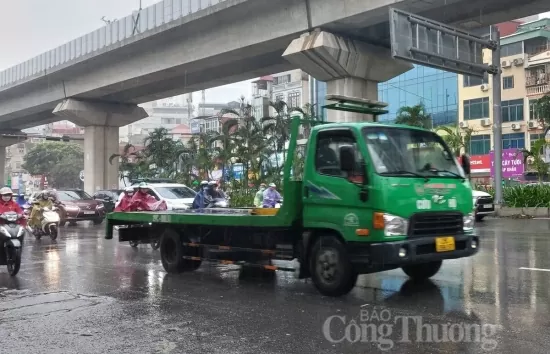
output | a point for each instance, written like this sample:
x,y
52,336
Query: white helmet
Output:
x,y
204,183
129,190
6,191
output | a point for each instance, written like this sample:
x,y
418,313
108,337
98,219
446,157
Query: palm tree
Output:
x,y
457,140
226,137
129,159
415,116
162,152
534,158
277,127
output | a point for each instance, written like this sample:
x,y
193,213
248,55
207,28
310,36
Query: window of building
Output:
x,y
167,121
277,80
178,120
480,144
18,165
512,111
279,97
513,141
511,49
327,153
533,114
469,81
535,137
476,108
21,145
294,99
508,82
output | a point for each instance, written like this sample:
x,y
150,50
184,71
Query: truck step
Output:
x,y
241,263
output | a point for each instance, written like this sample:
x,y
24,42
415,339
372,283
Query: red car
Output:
x,y
78,205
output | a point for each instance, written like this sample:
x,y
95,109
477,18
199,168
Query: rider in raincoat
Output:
x,y
8,204
42,201
125,201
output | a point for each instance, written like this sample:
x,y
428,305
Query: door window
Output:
x,y
327,154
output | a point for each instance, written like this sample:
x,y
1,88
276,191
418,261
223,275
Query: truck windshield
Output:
x,y
410,153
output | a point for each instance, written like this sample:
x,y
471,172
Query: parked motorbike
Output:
x,y
12,236
49,224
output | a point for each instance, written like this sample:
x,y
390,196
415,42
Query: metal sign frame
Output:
x,y
430,43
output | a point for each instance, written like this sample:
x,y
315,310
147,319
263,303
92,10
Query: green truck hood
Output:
x,y
406,196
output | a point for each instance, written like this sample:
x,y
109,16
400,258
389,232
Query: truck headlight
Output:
x,y
395,225
468,222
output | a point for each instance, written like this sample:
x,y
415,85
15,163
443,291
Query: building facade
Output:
x,y
525,65
436,89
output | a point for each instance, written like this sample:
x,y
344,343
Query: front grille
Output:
x,y
435,224
485,200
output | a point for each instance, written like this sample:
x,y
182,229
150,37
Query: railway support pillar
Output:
x,y
101,122
349,67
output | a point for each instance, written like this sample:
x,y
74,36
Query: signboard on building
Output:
x,y
195,126
480,163
512,163
430,43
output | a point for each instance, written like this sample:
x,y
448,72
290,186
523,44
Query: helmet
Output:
x,y
129,190
6,191
212,183
143,185
204,183
272,185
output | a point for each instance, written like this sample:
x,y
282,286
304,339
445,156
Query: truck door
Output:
x,y
332,197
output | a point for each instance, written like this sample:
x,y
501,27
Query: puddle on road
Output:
x,y
18,305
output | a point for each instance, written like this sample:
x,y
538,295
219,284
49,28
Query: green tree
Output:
x,y
542,112
415,116
457,139
277,128
162,152
534,158
61,162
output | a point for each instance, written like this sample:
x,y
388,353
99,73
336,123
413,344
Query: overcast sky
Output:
x,y
31,27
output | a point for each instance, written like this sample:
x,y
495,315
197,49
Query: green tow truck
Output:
x,y
358,198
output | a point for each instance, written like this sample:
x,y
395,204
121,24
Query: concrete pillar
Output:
x,y
101,122
8,139
349,67
2,165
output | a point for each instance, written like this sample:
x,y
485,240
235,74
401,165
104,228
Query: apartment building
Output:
x,y
525,64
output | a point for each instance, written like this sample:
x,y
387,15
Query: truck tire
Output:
x,y
422,271
172,252
331,271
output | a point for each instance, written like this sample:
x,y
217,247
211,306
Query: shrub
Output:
x,y
536,196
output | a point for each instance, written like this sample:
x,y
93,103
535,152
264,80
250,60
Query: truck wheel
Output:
x,y
422,271
331,271
172,252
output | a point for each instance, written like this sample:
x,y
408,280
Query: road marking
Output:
x,y
539,269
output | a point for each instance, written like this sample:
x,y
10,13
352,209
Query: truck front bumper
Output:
x,y
389,255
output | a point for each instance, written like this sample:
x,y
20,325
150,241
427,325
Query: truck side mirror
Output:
x,y
347,158
465,161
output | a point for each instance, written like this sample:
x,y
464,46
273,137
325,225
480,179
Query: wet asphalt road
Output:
x,y
88,295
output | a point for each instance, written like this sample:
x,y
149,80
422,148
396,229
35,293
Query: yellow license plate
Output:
x,y
444,244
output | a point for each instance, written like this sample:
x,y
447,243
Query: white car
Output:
x,y
177,196
483,204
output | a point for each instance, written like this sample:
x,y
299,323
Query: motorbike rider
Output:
x,y
123,204
7,204
259,197
271,196
141,199
44,200
200,199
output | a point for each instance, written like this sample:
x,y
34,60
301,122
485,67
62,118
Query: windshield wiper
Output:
x,y
405,172
447,171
